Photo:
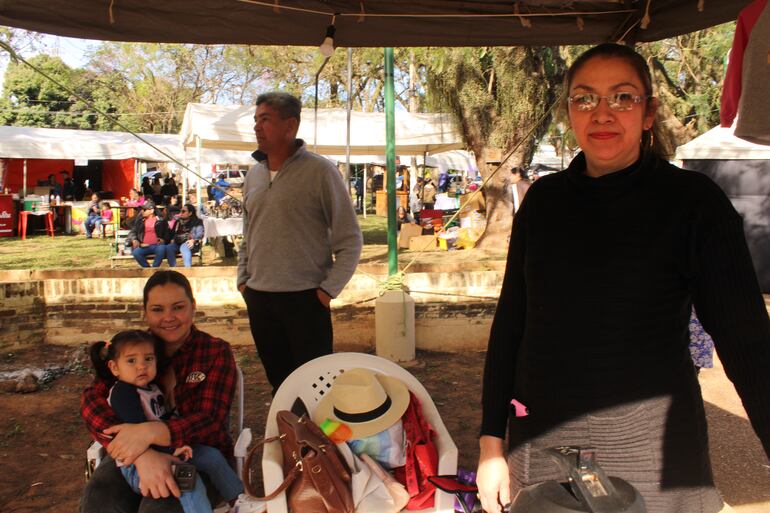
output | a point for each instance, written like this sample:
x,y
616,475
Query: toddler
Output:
x,y
131,362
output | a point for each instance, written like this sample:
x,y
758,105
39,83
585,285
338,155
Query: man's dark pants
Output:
x,y
289,329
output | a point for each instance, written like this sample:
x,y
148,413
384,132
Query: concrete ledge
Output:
x,y
453,308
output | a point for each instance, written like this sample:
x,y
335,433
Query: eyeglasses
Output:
x,y
586,102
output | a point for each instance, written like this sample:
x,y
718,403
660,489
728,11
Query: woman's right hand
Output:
x,y
492,475
156,479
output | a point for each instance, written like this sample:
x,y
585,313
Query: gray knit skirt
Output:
x,y
629,440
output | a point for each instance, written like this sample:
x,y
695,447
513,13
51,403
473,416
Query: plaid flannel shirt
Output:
x,y
206,378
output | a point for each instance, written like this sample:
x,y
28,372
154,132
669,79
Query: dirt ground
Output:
x,y
43,440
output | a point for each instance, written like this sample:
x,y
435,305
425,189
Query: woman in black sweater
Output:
x,y
606,260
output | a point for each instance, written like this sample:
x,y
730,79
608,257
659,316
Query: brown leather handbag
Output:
x,y
317,477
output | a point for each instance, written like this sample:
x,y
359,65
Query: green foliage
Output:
x,y
689,73
33,100
496,94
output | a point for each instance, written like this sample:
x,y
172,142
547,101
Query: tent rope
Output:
x,y
16,58
510,153
397,281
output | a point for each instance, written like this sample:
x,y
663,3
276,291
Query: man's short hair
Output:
x,y
286,104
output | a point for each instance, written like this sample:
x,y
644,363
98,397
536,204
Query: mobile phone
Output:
x,y
184,475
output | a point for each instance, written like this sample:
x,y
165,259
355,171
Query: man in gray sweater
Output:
x,y
301,241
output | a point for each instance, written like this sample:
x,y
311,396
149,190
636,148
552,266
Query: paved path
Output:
x,y
740,466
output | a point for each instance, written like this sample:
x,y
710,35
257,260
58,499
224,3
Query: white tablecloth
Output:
x,y
444,202
216,227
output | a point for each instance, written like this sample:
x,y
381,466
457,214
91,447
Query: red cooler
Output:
x,y
7,215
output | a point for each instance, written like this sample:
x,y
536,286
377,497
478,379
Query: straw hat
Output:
x,y
366,402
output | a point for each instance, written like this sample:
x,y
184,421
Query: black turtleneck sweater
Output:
x,y
594,308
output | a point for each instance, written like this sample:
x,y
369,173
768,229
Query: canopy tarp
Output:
x,y
231,127
56,143
69,144
372,23
719,143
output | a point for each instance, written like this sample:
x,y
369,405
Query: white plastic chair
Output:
x,y
311,381
96,451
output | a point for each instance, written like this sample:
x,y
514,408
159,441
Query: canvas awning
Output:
x,y
372,23
231,127
719,143
55,143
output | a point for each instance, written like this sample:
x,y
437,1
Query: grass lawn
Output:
x,y
76,252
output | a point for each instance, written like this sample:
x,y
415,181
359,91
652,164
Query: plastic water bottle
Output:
x,y
58,199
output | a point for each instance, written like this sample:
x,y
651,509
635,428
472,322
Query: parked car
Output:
x,y
234,177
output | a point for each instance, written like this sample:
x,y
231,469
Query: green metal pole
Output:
x,y
390,158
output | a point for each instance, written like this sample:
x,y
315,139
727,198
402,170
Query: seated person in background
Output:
x,y
402,216
187,237
135,199
174,206
105,214
193,200
131,362
93,218
149,235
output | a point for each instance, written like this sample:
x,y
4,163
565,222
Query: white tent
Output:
x,y
54,143
460,160
57,143
231,127
742,170
719,143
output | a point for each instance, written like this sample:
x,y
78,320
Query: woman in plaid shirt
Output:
x,y
202,375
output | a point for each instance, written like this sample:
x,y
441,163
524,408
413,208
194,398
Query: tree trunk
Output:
x,y
499,208
412,82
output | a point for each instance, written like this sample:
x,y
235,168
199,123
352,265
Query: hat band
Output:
x,y
364,416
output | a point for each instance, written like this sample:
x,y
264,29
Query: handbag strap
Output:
x,y
250,491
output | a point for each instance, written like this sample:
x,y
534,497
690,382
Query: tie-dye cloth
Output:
x,y
386,447
701,344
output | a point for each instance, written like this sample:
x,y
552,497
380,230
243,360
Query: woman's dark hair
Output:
x,y
637,62
101,352
191,209
164,278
